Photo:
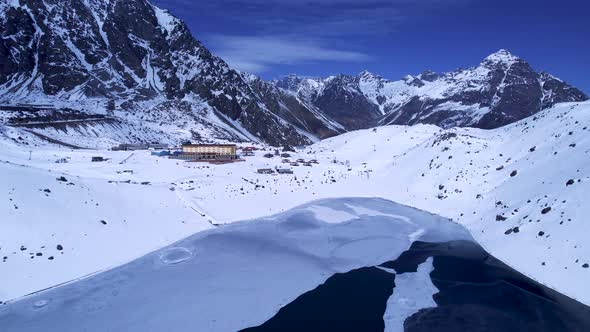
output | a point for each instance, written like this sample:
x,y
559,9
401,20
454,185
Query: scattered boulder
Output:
x,y
62,179
586,266
60,247
546,210
516,229
500,217
103,222
541,233
570,182
513,174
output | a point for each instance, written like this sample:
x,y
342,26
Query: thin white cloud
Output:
x,y
248,66
257,54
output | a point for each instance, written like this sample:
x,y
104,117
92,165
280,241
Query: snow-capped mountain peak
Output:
x,y
429,76
502,89
367,75
501,57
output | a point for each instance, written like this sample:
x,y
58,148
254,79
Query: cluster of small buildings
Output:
x,y
300,161
214,153
277,170
277,154
135,147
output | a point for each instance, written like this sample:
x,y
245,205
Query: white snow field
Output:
x,y
462,174
204,282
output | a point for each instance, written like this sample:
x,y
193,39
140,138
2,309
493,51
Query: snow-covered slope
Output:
x,y
499,183
148,122
56,227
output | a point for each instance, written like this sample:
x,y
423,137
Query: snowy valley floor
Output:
x,y
521,191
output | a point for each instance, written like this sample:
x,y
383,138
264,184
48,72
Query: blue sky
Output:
x,y
273,38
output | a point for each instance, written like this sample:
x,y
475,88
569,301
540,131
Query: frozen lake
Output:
x,y
474,292
340,255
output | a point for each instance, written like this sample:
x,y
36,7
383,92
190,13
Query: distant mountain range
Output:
x,y
141,66
501,90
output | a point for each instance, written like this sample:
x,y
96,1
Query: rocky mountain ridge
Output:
x,y
130,55
501,90
141,66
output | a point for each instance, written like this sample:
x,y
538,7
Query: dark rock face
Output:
x,y
291,109
13,58
559,91
343,101
518,95
339,99
128,51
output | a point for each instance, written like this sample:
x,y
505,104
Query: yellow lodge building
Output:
x,y
210,151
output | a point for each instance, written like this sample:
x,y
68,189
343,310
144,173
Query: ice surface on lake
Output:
x,y
40,304
413,291
175,255
330,215
235,276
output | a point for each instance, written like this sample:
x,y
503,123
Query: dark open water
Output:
x,y
477,293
